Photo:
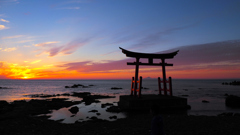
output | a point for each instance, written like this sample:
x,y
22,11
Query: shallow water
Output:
x,y
194,90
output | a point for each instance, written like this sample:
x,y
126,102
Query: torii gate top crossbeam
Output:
x,y
149,55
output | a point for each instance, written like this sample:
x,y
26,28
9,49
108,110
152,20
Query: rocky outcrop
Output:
x,y
231,83
232,101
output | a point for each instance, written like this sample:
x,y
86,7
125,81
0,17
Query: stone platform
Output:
x,y
166,103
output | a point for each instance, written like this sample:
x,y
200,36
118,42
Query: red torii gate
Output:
x,y
150,57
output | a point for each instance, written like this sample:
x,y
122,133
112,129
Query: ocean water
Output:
x,y
192,89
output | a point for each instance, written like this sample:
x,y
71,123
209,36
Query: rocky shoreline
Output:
x,y
21,117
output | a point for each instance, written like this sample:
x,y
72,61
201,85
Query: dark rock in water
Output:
x,y
93,111
114,109
59,99
74,110
81,94
74,86
65,94
116,88
226,114
113,117
93,118
231,83
107,104
91,85
41,95
89,100
98,113
232,101
205,101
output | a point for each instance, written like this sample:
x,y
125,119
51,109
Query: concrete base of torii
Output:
x,y
166,103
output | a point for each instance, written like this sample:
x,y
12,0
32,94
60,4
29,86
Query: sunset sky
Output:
x,y
80,39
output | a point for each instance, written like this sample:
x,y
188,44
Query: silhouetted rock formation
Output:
x,y
116,88
231,83
78,85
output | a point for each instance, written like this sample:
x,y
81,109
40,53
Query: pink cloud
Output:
x,y
219,56
52,49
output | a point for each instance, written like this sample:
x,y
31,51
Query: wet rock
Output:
x,y
232,101
113,117
74,110
74,86
59,99
89,100
93,111
93,118
98,113
102,96
65,94
114,109
107,104
41,95
116,88
81,94
226,114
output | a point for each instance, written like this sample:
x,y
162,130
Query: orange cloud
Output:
x,y
4,20
17,36
9,49
2,27
45,44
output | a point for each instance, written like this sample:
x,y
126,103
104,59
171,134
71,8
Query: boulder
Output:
x,y
74,110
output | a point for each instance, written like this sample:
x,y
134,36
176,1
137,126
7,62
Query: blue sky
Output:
x,y
64,31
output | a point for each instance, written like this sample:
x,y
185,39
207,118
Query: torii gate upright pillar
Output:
x,y
164,77
136,76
